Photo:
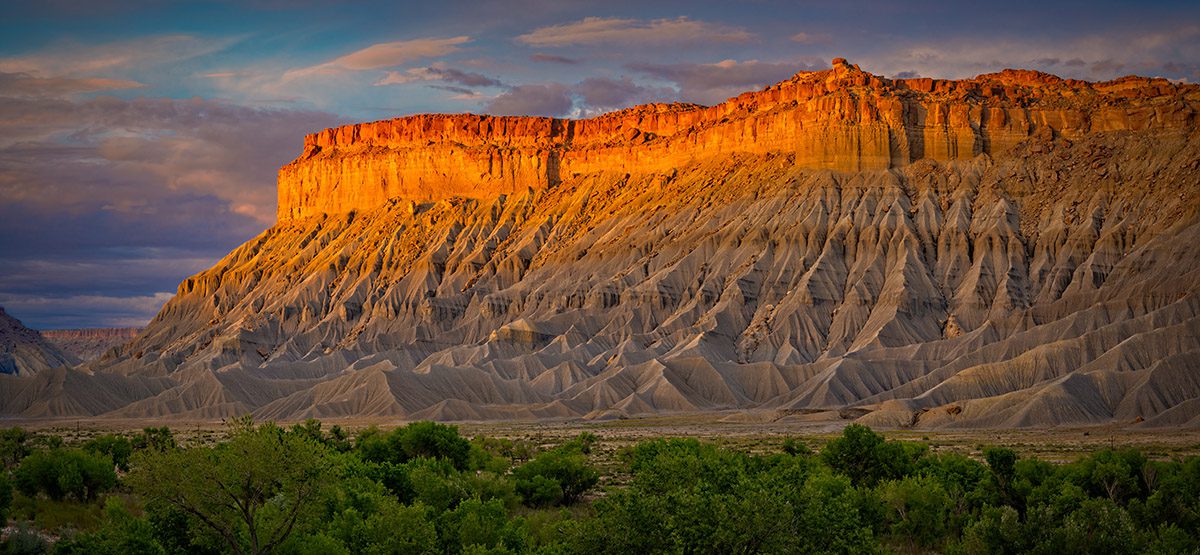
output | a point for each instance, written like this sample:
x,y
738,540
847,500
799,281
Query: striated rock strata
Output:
x,y
1010,250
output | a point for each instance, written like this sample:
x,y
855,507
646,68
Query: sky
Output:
x,y
139,139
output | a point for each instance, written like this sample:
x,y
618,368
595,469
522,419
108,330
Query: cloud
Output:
x,y
84,311
25,85
1092,57
439,72
604,93
811,38
551,58
383,55
119,58
549,99
107,197
611,30
713,83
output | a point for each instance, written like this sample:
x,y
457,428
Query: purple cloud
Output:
x,y
713,83
549,99
606,93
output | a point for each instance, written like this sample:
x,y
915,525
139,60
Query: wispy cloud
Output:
x,y
439,72
1170,51
115,58
611,30
383,55
25,85
553,59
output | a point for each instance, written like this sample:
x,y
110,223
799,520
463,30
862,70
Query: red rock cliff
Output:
x,y
841,119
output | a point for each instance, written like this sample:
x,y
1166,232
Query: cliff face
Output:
x,y
678,258
841,119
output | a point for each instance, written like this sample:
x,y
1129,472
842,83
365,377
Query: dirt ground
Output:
x,y
1051,444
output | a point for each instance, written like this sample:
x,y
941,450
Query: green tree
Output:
x,y
417,440
918,509
251,490
59,473
867,458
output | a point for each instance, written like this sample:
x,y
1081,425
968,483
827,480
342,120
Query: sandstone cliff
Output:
x,y
843,119
1010,250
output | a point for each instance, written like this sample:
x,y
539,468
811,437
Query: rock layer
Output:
x,y
1036,261
841,119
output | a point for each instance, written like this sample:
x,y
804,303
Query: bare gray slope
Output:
x,y
24,352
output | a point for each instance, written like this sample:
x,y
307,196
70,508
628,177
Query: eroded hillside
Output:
x,y
1014,250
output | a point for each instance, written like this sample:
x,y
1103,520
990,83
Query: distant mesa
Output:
x,y
1012,250
89,343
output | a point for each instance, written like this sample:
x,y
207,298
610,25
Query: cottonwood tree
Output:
x,y
251,490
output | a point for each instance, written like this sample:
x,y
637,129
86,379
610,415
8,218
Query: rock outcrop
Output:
x,y
1010,250
24,352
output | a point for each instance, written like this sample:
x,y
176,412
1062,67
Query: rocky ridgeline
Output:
x,y
841,119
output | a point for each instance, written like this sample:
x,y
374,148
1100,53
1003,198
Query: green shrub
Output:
x,y
59,473
118,448
556,477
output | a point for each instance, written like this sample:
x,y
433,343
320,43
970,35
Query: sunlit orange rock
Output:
x,y
841,119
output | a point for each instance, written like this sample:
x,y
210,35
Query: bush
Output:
x,y
158,439
59,473
24,541
118,448
120,534
556,477
6,496
13,446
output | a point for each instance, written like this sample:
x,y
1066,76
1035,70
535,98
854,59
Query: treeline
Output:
x,y
424,488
